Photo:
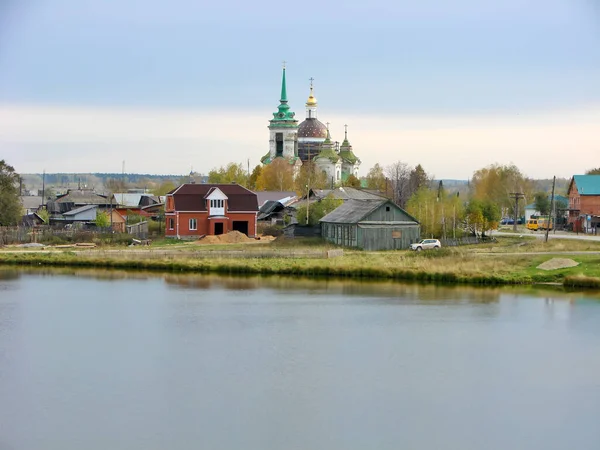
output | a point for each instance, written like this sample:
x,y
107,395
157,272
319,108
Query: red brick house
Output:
x,y
195,210
584,203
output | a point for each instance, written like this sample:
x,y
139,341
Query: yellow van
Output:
x,y
541,223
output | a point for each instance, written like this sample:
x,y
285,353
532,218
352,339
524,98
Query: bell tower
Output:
x,y
283,129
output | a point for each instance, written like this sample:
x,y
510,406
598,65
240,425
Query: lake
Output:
x,y
93,360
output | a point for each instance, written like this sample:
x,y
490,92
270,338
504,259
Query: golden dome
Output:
x,y
312,101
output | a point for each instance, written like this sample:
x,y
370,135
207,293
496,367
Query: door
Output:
x,y
241,226
218,228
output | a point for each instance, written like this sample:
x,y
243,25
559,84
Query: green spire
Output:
x,y
346,152
283,88
283,117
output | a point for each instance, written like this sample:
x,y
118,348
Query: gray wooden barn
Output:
x,y
370,225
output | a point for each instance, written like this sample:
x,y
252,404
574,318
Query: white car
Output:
x,y
426,244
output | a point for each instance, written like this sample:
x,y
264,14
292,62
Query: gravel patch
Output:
x,y
557,263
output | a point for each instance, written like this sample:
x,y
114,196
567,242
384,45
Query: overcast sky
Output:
x,y
169,86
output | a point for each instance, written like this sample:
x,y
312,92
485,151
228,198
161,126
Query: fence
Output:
x,y
467,240
138,230
25,235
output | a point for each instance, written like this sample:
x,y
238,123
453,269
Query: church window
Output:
x,y
279,144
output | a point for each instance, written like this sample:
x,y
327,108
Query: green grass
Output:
x,y
449,265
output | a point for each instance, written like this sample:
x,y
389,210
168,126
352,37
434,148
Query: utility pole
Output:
x,y
551,209
516,196
44,187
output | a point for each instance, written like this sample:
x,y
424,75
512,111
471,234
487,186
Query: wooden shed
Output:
x,y
370,225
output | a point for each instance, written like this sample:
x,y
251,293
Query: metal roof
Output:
x,y
80,210
347,193
587,184
353,211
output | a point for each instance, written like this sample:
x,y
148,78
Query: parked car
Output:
x,y
426,244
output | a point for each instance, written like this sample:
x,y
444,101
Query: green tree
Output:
x,y
232,173
482,215
254,177
44,214
418,178
317,210
164,188
10,204
376,178
542,203
595,171
102,219
496,183
440,215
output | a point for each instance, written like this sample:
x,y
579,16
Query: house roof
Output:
x,y
353,211
586,184
83,197
557,198
31,201
264,196
347,193
80,210
191,197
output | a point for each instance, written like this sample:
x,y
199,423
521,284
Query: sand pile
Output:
x,y
557,263
233,237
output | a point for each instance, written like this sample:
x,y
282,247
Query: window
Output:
x,y
396,234
387,208
171,224
193,224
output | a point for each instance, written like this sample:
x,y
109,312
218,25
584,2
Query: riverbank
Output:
x,y
508,261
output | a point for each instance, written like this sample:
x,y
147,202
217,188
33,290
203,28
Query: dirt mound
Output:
x,y
557,263
233,237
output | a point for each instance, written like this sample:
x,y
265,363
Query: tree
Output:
x,y
352,181
398,175
254,177
482,215
376,178
102,219
418,179
164,188
317,210
277,176
116,185
542,203
496,183
232,173
310,176
595,171
440,215
10,205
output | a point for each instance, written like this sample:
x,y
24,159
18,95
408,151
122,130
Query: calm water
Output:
x,y
98,361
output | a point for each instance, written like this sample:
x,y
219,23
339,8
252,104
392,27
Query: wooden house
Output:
x,y
370,225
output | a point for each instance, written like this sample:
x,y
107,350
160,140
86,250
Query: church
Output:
x,y
309,140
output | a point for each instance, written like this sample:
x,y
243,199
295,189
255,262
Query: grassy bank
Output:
x,y
464,265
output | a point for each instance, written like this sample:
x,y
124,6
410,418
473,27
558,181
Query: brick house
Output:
x,y
195,210
584,203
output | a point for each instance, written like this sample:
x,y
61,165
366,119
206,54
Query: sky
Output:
x,y
169,87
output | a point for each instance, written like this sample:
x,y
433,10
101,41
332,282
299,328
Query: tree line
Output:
x,y
440,210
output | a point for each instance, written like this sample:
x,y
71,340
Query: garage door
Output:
x,y
241,226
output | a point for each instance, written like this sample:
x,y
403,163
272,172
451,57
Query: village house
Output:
x,y
584,203
370,225
196,210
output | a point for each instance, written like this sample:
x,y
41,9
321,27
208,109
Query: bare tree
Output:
x,y
398,175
